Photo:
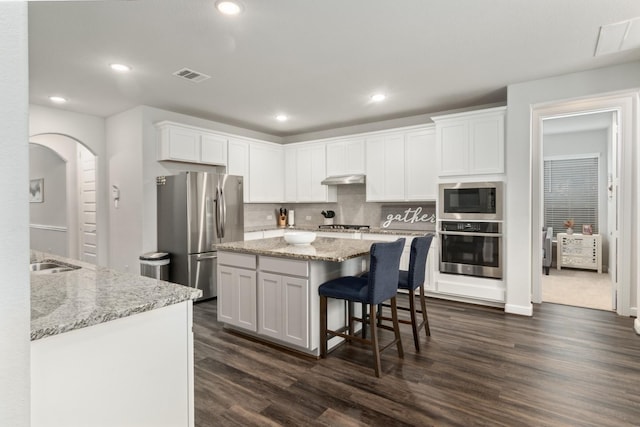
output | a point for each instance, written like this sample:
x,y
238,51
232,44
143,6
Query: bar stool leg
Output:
x,y
323,327
364,320
374,340
414,321
423,305
350,328
396,326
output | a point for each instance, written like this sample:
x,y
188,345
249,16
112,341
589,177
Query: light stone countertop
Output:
x,y
62,302
321,249
372,230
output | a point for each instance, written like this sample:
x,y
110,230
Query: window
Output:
x,y
571,191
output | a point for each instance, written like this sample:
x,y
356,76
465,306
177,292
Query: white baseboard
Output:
x,y
522,310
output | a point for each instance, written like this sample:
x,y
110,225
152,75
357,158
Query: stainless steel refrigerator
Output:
x,y
196,210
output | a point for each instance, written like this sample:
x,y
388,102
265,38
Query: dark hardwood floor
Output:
x,y
565,366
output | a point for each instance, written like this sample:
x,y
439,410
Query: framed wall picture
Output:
x,y
36,190
587,229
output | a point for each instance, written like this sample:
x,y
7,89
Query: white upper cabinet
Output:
x,y
190,144
290,173
385,167
238,162
346,157
421,164
266,177
471,143
305,168
402,166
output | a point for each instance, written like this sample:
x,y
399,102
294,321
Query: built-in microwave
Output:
x,y
470,201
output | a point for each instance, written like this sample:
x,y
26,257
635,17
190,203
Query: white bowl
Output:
x,y
299,237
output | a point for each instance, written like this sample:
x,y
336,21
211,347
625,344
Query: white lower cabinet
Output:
x,y
283,308
271,298
116,373
237,290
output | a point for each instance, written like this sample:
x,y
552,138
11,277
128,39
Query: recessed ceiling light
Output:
x,y
227,7
58,99
378,97
120,67
282,118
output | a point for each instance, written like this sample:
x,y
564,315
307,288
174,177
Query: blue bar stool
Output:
x,y
411,280
380,285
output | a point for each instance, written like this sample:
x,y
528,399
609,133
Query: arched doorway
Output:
x,y
71,228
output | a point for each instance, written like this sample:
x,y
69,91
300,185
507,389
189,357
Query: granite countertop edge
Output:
x,y
372,230
290,255
329,249
91,295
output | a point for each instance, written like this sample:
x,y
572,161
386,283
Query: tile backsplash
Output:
x,y
351,208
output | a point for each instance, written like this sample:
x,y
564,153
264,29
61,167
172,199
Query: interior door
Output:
x,y
88,235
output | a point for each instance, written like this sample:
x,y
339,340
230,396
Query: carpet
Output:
x,y
581,288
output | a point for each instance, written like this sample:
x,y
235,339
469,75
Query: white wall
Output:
x,y
46,164
132,140
520,98
15,320
49,217
90,131
124,153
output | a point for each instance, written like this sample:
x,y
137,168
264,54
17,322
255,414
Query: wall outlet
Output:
x,y
308,217
269,216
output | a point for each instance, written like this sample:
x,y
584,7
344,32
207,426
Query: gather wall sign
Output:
x,y
409,217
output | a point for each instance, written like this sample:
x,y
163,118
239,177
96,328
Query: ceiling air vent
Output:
x,y
192,76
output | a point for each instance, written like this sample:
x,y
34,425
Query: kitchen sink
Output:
x,y
50,267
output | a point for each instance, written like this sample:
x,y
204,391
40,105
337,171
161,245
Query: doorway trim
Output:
x,y
626,104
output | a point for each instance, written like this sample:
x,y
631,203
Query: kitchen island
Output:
x,y
109,348
268,289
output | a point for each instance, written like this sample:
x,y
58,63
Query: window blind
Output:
x,y
571,191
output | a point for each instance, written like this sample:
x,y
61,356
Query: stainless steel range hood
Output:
x,y
344,179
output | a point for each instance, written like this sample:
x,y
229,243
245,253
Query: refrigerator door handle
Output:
x,y
219,203
206,257
224,213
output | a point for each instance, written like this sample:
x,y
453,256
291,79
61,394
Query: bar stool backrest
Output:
x,y
384,270
418,260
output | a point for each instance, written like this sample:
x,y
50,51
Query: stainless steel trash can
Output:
x,y
155,265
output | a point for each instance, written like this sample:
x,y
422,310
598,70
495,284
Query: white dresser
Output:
x,y
580,251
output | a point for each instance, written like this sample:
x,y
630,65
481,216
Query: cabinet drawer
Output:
x,y
284,266
237,260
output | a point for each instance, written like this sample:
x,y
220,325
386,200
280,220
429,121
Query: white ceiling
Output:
x,y
315,60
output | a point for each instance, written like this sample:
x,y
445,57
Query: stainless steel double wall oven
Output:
x,y
471,229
